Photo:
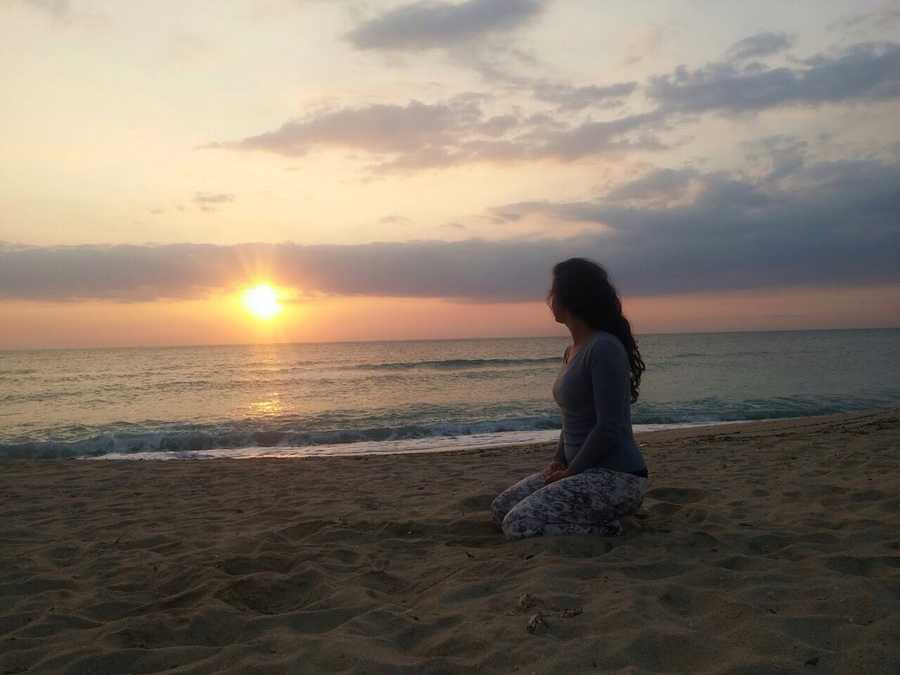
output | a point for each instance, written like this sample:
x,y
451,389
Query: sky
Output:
x,y
403,170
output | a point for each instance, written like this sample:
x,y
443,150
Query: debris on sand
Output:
x,y
527,600
536,623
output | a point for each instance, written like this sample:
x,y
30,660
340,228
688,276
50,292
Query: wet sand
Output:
x,y
768,547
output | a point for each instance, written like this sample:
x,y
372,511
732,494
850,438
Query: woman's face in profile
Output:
x,y
554,308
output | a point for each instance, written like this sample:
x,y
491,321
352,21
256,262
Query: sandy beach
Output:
x,y
769,547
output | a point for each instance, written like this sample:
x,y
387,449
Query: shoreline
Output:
x,y
407,446
410,446
762,546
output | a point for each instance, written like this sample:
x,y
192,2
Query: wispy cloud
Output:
x,y
420,135
394,219
211,201
65,12
477,35
643,44
885,17
213,197
441,25
60,9
378,128
864,72
759,46
568,97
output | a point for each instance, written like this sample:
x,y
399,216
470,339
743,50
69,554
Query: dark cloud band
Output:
x,y
671,231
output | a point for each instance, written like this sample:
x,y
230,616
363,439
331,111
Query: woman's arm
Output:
x,y
560,456
607,363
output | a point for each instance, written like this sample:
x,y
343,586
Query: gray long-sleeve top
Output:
x,y
593,391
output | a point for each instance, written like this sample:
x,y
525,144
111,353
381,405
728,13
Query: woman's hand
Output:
x,y
562,472
551,468
553,476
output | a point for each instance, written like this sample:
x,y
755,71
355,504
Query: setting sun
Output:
x,y
262,301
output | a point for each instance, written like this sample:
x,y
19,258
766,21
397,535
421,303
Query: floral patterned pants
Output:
x,y
590,502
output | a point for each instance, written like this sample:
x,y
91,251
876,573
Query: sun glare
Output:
x,y
262,301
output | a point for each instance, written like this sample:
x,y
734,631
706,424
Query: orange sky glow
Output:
x,y
225,320
735,166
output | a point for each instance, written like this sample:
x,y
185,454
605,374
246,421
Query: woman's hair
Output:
x,y
583,288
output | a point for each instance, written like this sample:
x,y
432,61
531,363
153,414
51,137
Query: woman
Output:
x,y
598,474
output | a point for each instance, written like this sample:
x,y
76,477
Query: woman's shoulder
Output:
x,y
606,340
606,345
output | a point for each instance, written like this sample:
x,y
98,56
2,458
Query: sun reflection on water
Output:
x,y
267,407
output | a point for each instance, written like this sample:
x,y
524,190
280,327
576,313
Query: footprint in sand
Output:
x,y
677,495
304,529
476,503
877,566
275,594
244,565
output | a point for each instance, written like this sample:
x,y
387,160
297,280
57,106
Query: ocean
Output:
x,y
410,396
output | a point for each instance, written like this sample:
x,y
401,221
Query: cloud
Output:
x,y
211,201
643,44
208,198
416,136
469,128
759,46
807,224
632,132
571,98
59,9
660,186
394,219
885,17
436,25
378,128
473,269
499,62
473,34
821,224
864,72
544,142
780,155
63,13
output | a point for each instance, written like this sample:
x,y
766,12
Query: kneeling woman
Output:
x,y
598,474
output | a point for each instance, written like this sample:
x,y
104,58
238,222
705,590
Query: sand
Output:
x,y
761,548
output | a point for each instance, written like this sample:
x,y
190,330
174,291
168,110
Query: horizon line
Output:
x,y
448,339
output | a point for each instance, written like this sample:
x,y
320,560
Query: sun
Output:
x,y
262,301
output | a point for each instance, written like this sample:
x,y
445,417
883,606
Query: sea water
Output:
x,y
411,396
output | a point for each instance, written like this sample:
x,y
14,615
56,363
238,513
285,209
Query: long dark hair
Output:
x,y
583,287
